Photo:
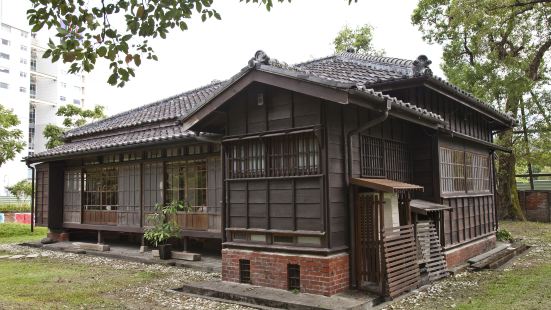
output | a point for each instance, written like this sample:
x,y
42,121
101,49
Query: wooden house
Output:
x,y
346,171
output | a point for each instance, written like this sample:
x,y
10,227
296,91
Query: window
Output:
x,y
24,34
32,90
63,85
4,56
245,271
6,42
131,156
4,85
186,181
478,172
22,89
62,98
23,74
31,138
76,101
287,155
101,188
293,277
32,114
24,47
33,60
23,61
384,158
4,70
464,172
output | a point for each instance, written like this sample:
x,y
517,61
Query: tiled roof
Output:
x,y
350,71
150,135
372,70
170,108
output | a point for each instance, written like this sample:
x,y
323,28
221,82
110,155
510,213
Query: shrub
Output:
x,y
504,235
15,208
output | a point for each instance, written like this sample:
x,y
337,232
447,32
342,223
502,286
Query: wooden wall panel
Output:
x,y
470,217
42,194
460,118
72,196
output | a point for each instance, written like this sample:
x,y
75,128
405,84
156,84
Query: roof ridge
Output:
x,y
378,59
140,108
314,60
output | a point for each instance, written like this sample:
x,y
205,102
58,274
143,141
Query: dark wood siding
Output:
x,y
42,194
265,201
472,215
460,118
281,110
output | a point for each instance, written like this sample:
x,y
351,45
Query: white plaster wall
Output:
x,y
392,215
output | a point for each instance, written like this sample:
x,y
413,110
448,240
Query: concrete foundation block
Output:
x,y
155,253
186,256
144,249
93,247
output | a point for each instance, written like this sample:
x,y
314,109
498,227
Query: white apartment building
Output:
x,y
33,87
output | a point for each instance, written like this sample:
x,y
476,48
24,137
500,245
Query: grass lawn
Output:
x,y
17,233
47,284
524,283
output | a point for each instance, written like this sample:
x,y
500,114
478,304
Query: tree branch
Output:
x,y
533,70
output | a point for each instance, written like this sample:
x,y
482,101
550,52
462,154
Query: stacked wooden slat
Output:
x,y
400,260
430,251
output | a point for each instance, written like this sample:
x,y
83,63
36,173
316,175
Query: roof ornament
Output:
x,y
260,58
421,66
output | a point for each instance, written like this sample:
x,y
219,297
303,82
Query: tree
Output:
x,y
499,51
360,39
21,190
74,116
87,30
11,139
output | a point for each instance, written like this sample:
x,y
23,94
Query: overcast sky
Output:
x,y
291,32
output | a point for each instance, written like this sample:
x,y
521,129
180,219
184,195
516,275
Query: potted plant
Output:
x,y
163,227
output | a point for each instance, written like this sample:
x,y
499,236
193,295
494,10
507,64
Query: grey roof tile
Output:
x,y
160,134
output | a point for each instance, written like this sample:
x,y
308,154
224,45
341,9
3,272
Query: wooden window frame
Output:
x,y
289,155
464,168
188,170
384,158
109,191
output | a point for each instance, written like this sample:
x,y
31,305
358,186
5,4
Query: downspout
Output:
x,y
348,175
496,216
32,195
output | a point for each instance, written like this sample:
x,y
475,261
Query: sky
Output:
x,y
291,32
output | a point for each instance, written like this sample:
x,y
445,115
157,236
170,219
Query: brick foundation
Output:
x,y
459,255
58,236
323,275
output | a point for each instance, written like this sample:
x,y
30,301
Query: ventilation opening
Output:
x,y
245,271
293,277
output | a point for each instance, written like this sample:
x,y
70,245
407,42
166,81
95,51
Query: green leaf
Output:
x,y
137,60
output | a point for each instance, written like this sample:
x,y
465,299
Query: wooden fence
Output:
x,y
401,270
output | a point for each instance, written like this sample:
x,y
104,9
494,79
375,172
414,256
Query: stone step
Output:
x,y
275,298
498,248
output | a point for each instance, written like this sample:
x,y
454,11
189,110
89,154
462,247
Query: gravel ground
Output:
x,y
155,294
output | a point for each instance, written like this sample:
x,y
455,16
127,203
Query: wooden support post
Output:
x,y
100,237
185,243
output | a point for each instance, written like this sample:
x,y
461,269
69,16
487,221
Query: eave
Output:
x,y
443,88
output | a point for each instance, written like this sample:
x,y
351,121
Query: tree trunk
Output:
x,y
508,205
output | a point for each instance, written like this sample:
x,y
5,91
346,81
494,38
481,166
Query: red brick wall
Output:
x,y
459,255
324,275
536,205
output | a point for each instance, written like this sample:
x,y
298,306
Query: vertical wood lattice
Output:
x,y
429,249
385,158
